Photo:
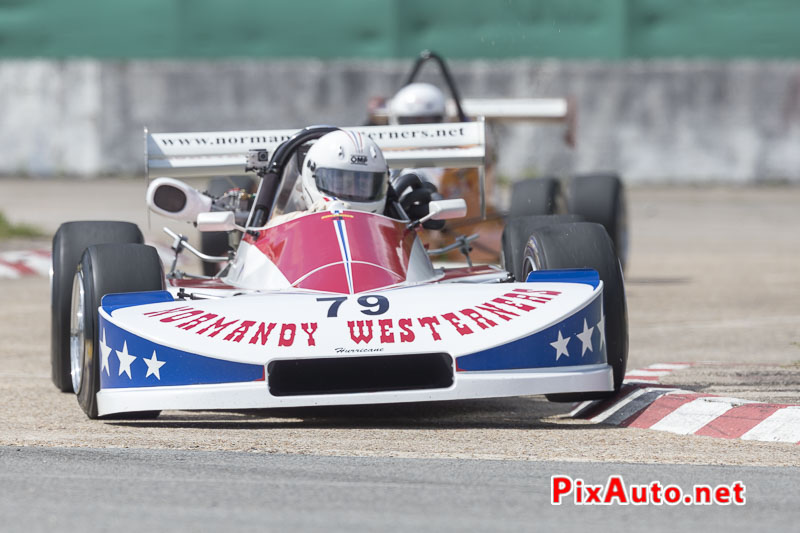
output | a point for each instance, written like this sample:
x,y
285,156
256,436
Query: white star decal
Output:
x,y
105,351
153,364
125,360
560,345
586,338
601,327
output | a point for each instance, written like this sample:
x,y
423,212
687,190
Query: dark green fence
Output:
x,y
605,29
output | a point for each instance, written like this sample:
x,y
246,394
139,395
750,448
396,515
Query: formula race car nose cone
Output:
x,y
350,278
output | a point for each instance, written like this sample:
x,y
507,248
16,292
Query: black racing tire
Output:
x,y
600,198
216,242
69,242
586,245
515,237
536,196
106,269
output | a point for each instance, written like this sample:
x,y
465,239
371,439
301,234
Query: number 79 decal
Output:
x,y
373,304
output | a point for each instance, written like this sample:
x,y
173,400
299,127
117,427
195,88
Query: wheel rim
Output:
x,y
76,332
527,268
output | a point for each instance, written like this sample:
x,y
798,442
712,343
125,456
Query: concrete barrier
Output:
x,y
736,121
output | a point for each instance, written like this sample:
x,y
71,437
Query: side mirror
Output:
x,y
173,198
446,209
216,221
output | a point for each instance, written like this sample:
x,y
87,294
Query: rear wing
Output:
x,y
447,145
536,109
553,110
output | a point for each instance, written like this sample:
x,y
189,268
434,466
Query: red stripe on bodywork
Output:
x,y
367,277
309,243
299,246
332,278
380,241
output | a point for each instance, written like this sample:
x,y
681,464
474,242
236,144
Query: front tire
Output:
x,y
586,245
69,242
600,198
515,236
106,269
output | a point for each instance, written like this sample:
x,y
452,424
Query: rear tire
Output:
x,y
586,245
536,196
106,269
600,198
216,243
515,237
69,242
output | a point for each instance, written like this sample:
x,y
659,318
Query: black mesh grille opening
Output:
x,y
343,375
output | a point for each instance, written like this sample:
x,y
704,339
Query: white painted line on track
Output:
x,y
619,405
668,366
579,407
647,372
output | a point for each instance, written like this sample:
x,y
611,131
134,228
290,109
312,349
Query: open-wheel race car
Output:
x,y
597,196
328,302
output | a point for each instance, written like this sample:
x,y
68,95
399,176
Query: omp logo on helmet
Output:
x,y
358,159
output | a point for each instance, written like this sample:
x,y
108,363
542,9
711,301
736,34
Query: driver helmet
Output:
x,y
347,166
417,103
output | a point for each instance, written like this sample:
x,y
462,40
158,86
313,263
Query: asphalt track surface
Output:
x,y
712,277
135,490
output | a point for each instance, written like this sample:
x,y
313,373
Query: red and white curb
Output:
x,y
14,265
654,373
643,403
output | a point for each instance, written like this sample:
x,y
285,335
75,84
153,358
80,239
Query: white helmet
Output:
x,y
347,166
417,103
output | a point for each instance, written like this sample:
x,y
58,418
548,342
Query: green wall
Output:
x,y
606,29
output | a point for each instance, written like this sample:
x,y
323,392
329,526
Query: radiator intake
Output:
x,y
344,375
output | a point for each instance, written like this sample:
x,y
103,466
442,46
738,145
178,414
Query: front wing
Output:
x,y
438,342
